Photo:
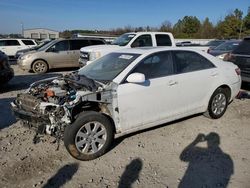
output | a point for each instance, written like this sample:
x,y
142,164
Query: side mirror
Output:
x,y
137,78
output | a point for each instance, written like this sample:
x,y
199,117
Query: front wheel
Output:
x,y
40,66
217,104
89,136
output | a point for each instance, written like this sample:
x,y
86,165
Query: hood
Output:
x,y
103,47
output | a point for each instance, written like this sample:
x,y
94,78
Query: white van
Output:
x,y
11,46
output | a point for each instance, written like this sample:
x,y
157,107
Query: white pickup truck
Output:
x,y
127,40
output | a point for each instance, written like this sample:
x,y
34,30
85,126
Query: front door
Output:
x,y
152,101
59,55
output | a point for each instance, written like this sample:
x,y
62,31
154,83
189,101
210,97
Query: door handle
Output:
x,y
171,83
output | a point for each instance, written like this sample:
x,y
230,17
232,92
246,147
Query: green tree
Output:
x,y
166,26
246,23
230,26
207,30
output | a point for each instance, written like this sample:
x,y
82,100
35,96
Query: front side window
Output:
x,y
143,40
163,40
108,67
60,46
12,43
78,44
28,42
186,61
156,65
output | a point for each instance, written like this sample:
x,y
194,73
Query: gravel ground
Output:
x,y
170,155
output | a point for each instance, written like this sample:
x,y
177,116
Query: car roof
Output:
x,y
149,50
148,32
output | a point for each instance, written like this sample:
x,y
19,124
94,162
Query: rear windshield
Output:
x,y
243,48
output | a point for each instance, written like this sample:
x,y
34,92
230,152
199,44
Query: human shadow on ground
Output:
x,y
131,173
62,176
6,116
207,167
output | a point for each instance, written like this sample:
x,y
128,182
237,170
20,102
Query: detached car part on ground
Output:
x,y
6,72
127,91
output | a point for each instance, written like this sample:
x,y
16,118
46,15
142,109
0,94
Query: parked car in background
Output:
x,y
6,72
127,40
11,46
241,57
214,43
21,52
56,54
127,91
224,48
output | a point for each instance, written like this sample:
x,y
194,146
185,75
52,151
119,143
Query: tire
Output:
x,y
85,143
40,66
217,104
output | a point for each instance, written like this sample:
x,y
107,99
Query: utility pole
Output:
x,y
241,25
22,28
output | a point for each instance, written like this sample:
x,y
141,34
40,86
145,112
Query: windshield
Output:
x,y
227,46
44,47
123,40
108,67
215,43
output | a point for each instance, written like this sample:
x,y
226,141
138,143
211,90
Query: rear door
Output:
x,y
75,46
241,57
195,76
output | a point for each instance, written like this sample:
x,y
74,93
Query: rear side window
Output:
x,y
96,42
2,42
12,43
78,44
156,65
28,42
186,61
243,48
163,40
143,40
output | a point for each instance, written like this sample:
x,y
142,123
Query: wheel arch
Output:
x,y
39,59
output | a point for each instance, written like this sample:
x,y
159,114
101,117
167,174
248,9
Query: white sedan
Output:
x,y
131,90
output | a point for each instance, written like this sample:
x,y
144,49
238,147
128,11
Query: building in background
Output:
x,y
40,34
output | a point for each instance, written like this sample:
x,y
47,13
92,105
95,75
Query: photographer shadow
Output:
x,y
208,167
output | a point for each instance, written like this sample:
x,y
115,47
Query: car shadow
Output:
x,y
131,173
62,176
6,116
207,166
20,82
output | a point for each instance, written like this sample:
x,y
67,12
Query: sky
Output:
x,y
108,14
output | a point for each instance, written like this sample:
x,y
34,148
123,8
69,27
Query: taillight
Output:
x,y
237,71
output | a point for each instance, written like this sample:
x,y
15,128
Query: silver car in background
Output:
x,y
56,54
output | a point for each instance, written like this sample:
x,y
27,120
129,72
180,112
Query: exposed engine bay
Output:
x,y
52,104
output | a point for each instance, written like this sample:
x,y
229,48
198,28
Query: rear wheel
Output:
x,y
217,104
89,136
40,66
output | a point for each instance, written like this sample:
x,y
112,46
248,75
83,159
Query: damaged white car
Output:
x,y
124,92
